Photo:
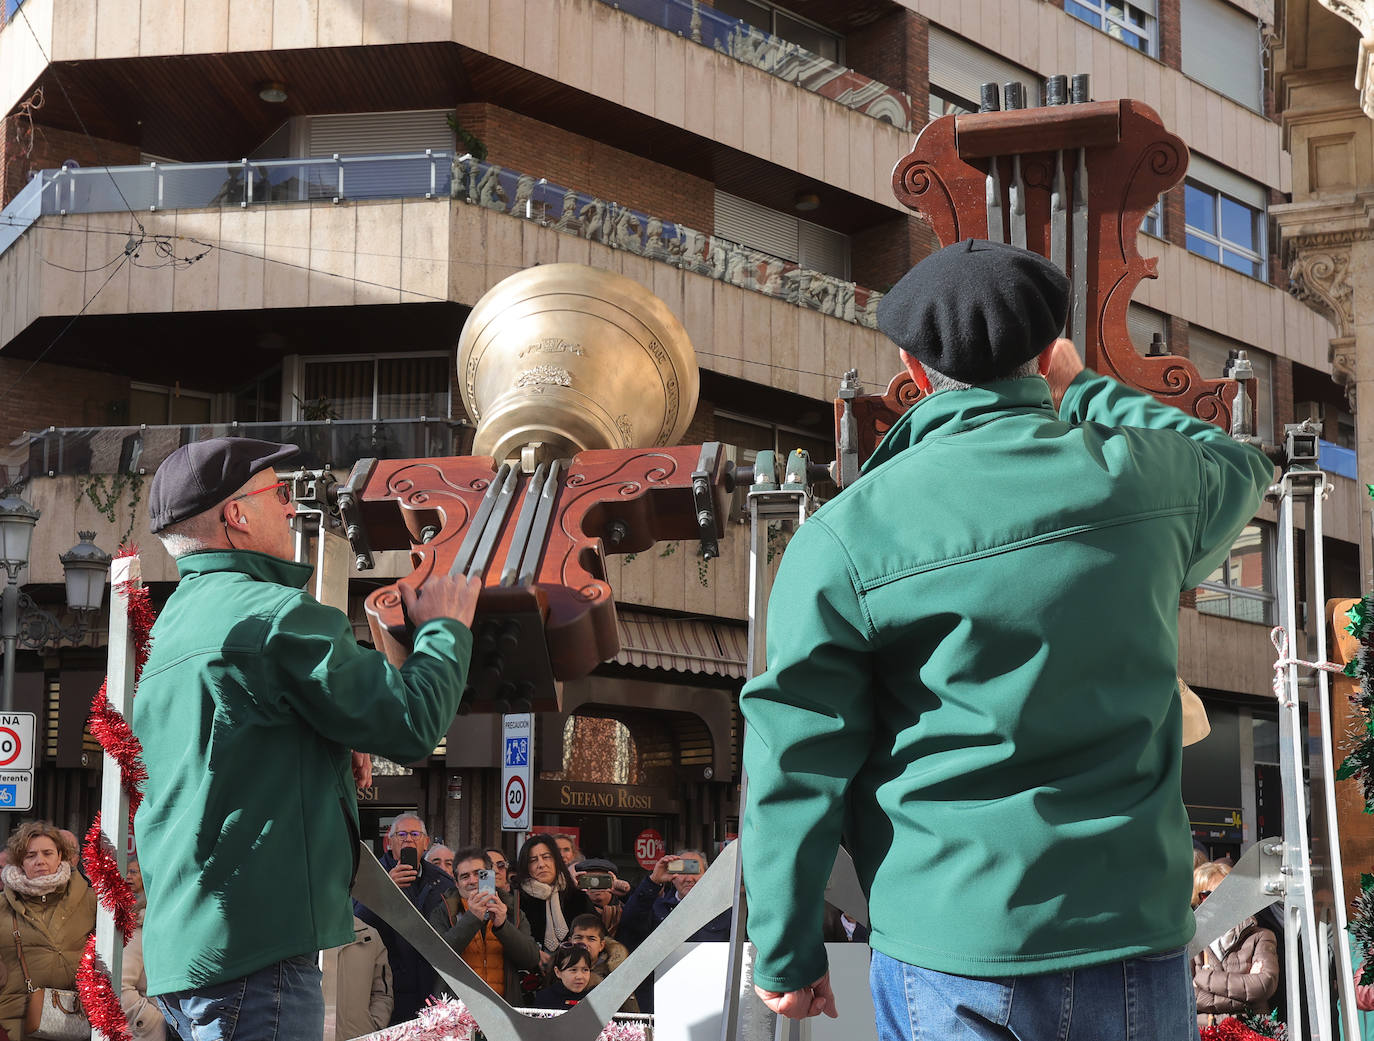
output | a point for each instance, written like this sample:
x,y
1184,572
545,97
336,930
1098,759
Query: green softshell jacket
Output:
x,y
971,677
251,699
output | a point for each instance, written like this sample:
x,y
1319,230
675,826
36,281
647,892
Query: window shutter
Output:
x,y
1143,323
961,68
1222,49
377,133
1228,182
822,249
757,227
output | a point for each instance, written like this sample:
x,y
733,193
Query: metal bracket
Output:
x,y
703,502
347,501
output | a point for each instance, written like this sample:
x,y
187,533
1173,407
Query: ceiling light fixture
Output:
x,y
273,92
806,201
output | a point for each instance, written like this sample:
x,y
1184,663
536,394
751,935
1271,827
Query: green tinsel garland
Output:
x,y
1359,766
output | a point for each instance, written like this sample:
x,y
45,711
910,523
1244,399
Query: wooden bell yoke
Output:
x,y
559,363
1072,181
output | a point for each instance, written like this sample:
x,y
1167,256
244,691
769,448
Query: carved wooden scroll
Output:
x,y
999,174
560,623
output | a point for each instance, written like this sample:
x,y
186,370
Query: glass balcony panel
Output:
x,y
104,189
186,186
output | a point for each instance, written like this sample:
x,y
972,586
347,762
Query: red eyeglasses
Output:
x,y
282,488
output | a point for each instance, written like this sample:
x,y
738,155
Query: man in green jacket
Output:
x,y
971,679
251,699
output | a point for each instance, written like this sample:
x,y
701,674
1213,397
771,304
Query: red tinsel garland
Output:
x,y
113,890
1231,1029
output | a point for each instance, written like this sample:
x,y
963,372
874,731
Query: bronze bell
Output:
x,y
563,358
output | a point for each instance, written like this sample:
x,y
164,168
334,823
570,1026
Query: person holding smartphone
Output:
x,y
484,925
655,898
424,885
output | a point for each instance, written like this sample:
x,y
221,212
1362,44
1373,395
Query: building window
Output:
x,y
1224,229
958,70
1134,26
782,235
154,405
947,103
1222,49
1243,586
389,386
1153,222
752,435
786,26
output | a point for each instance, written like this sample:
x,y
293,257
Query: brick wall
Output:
x,y
1169,35
51,148
1175,217
572,161
882,254
56,395
894,50
1176,329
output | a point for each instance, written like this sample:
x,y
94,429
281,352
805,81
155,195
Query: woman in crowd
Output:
x,y
146,1022
52,911
1238,972
547,895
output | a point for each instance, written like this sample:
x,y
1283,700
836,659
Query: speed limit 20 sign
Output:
x,y
16,741
517,762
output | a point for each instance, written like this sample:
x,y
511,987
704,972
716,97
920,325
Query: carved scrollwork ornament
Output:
x,y
1321,277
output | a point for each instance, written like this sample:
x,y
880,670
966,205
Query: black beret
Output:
x,y
203,473
976,310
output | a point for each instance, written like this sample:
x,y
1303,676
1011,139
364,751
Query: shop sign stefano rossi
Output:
x,y
603,798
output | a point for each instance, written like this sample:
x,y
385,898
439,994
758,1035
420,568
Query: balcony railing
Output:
x,y
336,443
795,64
432,174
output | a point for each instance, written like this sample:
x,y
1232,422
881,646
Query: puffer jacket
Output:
x,y
53,931
1246,977
495,954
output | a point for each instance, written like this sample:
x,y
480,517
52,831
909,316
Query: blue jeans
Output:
x,y
282,1002
1144,999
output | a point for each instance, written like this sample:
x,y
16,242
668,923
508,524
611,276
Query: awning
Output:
x,y
697,645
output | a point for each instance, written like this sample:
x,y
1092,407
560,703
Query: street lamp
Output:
x,y
85,567
17,519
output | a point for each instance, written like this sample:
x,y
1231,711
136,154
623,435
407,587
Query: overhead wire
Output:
x,y
63,332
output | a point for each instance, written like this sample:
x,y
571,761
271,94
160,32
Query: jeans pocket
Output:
x,y
212,1013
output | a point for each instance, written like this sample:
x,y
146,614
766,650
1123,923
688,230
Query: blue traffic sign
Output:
x,y
517,751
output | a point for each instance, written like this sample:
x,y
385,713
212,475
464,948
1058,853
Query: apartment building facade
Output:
x,y
239,263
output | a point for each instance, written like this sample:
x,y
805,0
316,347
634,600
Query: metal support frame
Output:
x,y
1303,868
780,498
125,576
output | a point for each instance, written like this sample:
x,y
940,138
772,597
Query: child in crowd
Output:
x,y
572,965
590,931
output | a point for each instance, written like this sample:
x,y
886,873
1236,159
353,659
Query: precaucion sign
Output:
x,y
517,760
16,741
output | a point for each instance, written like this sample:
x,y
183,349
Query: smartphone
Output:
x,y
486,880
595,880
410,857
684,866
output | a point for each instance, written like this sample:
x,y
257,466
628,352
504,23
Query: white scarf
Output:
x,y
555,928
42,886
